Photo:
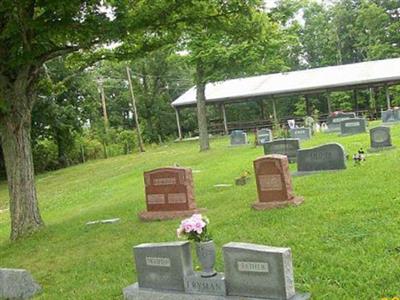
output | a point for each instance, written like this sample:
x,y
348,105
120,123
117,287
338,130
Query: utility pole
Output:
x,y
135,114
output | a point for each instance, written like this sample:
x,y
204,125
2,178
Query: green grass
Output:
x,y
344,238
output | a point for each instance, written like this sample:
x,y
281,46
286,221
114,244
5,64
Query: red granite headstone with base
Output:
x,y
274,184
169,194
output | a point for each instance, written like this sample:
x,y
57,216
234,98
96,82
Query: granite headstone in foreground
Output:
x,y
286,147
380,137
353,126
17,284
258,271
163,266
303,133
238,137
264,135
322,158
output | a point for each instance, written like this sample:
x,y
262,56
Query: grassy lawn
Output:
x,y
345,238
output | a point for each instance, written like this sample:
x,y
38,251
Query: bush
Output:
x,y
45,156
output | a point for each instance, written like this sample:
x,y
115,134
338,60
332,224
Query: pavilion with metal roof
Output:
x,y
363,75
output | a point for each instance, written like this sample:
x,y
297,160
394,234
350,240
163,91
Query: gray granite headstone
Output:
x,y
303,133
238,137
334,120
258,271
264,135
286,147
324,157
380,137
353,126
391,115
195,284
163,265
17,284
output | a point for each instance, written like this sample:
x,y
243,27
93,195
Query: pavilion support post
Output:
x,y
355,99
308,107
178,124
387,96
328,102
262,109
372,104
274,110
224,118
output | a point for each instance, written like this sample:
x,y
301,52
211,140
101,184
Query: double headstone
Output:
x,y
333,121
274,183
17,284
264,135
391,115
238,138
169,194
353,126
303,133
165,272
380,138
322,158
286,147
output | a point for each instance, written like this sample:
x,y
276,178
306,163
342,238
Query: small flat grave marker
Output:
x,y
322,158
163,265
303,133
264,135
353,126
274,184
259,271
169,194
238,138
286,147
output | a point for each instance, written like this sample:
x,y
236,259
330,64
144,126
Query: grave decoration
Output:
x,y
165,272
169,194
274,183
243,179
359,157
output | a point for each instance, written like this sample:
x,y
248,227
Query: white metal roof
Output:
x,y
298,82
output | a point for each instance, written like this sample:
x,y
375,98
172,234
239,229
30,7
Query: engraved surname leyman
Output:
x,y
164,181
249,266
270,182
158,261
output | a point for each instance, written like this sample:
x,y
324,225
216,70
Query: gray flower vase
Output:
x,y
205,252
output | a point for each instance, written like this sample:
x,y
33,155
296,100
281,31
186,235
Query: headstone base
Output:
x,y
195,284
277,204
133,292
167,215
379,149
306,173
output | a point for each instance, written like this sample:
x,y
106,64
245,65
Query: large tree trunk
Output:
x,y
15,130
201,109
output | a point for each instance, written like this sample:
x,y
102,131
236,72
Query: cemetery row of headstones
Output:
x,y
165,271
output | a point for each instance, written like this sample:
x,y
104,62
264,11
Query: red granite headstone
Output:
x,y
274,183
169,194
